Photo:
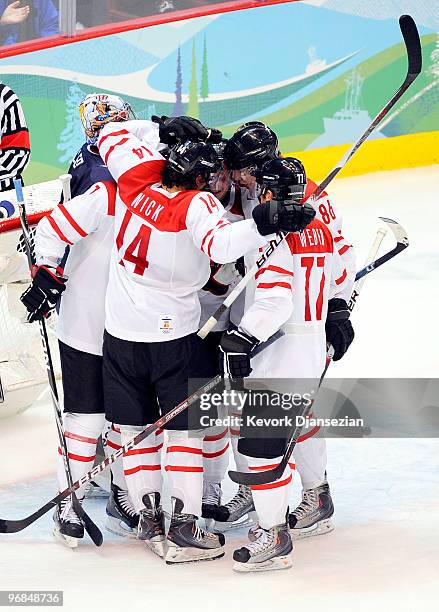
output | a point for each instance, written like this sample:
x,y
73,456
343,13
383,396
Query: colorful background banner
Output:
x,y
316,72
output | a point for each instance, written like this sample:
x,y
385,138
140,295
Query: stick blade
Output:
x,y
397,230
257,478
410,34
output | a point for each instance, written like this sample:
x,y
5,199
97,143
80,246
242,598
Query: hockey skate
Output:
x,y
238,512
68,528
187,541
312,515
211,500
122,518
151,528
268,550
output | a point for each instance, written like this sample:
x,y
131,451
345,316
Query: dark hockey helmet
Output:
x,y
285,177
191,159
251,145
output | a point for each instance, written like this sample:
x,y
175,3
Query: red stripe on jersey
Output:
x,y
111,194
271,285
19,140
273,485
184,449
344,248
73,436
235,432
312,432
111,149
114,428
75,457
341,278
220,226
55,226
71,220
183,468
113,445
217,453
273,269
139,468
118,133
338,238
216,437
203,242
143,451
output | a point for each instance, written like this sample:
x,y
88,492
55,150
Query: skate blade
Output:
x,y
156,546
320,528
67,541
118,527
277,563
178,554
248,520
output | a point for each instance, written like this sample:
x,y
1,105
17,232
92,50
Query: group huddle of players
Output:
x,y
165,218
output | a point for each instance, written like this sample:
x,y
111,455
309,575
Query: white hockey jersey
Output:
x,y
291,293
82,307
164,241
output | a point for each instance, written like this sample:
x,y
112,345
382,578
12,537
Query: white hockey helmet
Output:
x,y
97,109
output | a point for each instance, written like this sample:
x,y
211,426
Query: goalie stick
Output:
x,y
414,57
14,526
402,243
92,529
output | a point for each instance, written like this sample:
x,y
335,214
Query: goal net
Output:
x,y
22,366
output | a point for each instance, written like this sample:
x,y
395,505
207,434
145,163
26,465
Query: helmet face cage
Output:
x,y
98,109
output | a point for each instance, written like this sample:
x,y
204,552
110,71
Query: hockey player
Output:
x,y
81,320
299,289
167,230
222,279
251,145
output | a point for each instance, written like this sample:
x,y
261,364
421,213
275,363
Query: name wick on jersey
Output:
x,y
147,207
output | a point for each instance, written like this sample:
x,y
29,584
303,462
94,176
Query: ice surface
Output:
x,y
384,552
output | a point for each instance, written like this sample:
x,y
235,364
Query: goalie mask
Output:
x,y
98,109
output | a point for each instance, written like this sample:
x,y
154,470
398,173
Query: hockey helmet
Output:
x,y
251,145
97,109
285,177
191,159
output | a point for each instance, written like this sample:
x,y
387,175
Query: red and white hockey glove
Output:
x,y
235,349
221,277
43,294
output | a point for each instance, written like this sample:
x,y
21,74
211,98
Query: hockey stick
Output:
x,y
14,526
268,476
414,56
92,529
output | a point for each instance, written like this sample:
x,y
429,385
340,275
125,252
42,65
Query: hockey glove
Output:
x,y
235,348
274,217
180,129
43,294
221,277
339,330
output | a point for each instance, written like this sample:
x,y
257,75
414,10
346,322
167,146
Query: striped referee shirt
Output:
x,y
14,138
